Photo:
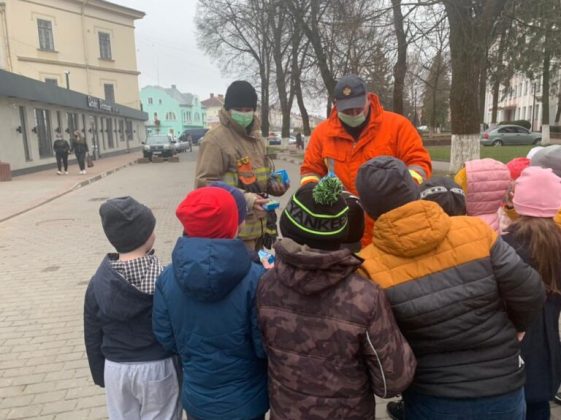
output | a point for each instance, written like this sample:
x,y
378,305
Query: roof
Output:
x,y
213,102
183,99
15,86
103,4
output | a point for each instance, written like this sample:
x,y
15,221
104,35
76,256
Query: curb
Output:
x,y
75,187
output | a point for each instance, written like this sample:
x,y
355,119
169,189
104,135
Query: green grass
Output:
x,y
502,154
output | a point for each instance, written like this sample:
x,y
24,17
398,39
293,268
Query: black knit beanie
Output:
x,y
384,184
317,215
446,193
127,223
240,94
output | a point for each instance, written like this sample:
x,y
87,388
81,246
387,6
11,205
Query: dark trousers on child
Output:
x,y
81,156
62,159
538,411
511,406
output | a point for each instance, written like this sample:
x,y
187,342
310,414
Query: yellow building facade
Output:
x,y
88,44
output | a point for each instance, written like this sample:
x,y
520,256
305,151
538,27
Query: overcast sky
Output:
x,y
166,48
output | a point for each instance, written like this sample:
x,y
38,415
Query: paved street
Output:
x,y
47,256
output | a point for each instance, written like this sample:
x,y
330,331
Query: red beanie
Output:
x,y
516,166
209,212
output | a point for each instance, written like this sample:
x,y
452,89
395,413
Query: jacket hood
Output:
x,y
118,299
208,269
487,182
226,120
411,230
376,111
309,271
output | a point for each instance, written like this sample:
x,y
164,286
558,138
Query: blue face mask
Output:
x,y
352,120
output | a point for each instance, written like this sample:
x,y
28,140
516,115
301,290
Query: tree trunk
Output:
x,y
545,93
466,56
302,107
482,90
495,106
558,113
264,75
400,67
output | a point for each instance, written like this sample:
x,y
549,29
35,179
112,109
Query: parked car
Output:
x,y
509,135
196,134
274,141
183,144
159,145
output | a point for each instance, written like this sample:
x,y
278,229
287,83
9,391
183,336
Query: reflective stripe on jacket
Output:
x,y
219,153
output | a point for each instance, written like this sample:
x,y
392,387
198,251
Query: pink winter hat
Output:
x,y
517,165
537,193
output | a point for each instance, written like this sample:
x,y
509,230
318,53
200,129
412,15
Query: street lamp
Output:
x,y
67,74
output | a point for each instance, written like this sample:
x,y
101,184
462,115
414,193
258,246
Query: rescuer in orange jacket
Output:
x,y
357,130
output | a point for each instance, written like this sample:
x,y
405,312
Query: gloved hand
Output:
x,y
270,233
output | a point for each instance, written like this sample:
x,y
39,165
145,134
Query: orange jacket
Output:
x,y
387,133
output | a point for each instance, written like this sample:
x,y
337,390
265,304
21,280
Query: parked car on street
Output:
x,y
183,144
159,145
509,135
274,141
196,134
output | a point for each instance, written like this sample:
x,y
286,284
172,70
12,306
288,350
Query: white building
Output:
x,y
523,101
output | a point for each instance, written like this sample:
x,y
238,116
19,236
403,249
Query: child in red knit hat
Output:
x,y
204,309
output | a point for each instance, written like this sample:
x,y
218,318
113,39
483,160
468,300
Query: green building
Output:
x,y
170,111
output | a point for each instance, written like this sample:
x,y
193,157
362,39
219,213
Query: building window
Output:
x,y
129,130
170,116
196,116
23,122
109,131
51,81
104,46
159,101
72,122
189,116
43,131
46,41
109,93
150,101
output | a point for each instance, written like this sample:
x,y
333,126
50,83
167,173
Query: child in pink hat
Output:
x,y
537,239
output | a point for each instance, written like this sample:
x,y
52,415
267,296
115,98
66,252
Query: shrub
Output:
x,y
522,123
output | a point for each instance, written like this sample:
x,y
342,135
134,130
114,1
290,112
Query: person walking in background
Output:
x,y
204,309
537,239
357,130
138,374
299,141
61,148
80,148
460,295
331,337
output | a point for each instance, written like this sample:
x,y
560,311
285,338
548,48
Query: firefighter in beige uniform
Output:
x,y
235,152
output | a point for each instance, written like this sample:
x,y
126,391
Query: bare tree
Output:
x,y
232,31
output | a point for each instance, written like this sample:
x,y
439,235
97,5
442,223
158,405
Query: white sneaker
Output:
x,y
65,172
81,172
58,173
85,172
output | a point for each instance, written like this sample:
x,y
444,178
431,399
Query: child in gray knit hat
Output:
x,y
124,356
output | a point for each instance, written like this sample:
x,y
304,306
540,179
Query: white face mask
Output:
x,y
352,120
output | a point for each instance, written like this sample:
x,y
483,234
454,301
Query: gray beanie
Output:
x,y
548,157
127,223
384,184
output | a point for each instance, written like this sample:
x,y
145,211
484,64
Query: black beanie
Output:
x,y
240,94
446,193
384,184
317,215
127,223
